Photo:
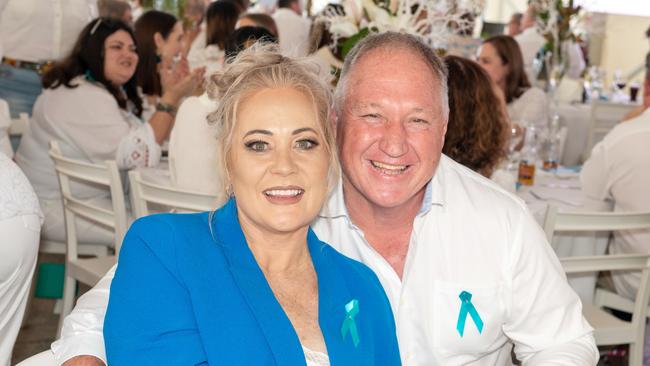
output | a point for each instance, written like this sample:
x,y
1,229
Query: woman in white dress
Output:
x,y
90,103
501,57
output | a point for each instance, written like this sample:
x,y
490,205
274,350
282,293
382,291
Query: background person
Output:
x,y
514,24
90,103
477,130
33,34
20,225
500,56
293,28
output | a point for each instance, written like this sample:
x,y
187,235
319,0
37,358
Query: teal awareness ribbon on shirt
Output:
x,y
466,308
349,325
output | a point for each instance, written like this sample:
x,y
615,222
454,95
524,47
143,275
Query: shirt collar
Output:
x,y
434,194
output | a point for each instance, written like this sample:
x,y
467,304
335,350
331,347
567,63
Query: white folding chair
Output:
x,y
45,358
609,330
87,270
148,197
604,116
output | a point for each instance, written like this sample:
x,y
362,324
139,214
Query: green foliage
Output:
x,y
350,42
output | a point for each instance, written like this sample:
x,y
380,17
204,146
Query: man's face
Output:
x,y
391,129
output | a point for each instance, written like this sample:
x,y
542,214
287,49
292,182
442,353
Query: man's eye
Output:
x,y
306,144
257,146
420,120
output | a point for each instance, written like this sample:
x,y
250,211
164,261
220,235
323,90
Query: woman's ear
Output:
x,y
159,41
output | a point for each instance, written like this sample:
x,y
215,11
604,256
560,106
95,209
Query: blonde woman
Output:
x,y
251,284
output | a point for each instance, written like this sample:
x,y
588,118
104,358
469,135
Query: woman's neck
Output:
x,y
276,252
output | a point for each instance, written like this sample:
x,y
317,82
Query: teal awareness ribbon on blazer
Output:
x,y
466,308
349,325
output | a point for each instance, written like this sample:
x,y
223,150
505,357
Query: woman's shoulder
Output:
x,y
533,93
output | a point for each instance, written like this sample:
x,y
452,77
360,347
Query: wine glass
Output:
x,y
516,137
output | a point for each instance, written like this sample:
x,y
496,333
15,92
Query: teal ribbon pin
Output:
x,y
467,307
349,325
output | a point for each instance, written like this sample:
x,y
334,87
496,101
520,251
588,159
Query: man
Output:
x,y
34,33
530,41
293,29
116,9
465,267
514,25
618,170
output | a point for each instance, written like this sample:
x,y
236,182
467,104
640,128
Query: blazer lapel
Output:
x,y
273,322
333,295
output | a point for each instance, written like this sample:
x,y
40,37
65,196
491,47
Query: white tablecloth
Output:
x,y
562,189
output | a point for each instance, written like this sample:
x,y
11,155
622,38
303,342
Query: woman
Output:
x,y
91,104
251,284
258,20
161,68
220,18
501,58
477,130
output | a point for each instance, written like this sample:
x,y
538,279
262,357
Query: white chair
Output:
x,y
87,270
609,330
604,116
19,125
148,197
45,358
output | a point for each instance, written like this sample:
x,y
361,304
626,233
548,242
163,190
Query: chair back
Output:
x,y
604,116
106,175
593,221
145,195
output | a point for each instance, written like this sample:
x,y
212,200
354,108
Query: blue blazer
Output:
x,y
184,294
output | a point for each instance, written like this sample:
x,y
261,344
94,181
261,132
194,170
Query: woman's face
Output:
x,y
489,59
278,161
120,57
173,45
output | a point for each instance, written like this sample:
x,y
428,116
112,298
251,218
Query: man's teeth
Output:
x,y
283,192
389,167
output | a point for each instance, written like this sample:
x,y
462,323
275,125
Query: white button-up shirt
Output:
x,y
619,171
472,236
37,30
469,236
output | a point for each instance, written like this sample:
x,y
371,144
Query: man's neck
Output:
x,y
386,229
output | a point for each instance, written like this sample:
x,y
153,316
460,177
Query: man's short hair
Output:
x,y
393,41
286,3
516,17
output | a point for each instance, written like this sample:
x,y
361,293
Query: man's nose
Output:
x,y
394,140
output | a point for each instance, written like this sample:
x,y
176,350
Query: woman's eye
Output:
x,y
306,144
257,146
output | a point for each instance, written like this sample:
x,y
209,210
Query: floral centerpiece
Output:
x,y
433,21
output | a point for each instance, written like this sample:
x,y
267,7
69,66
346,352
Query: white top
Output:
x,y
293,32
91,127
17,197
530,42
619,170
212,57
469,236
315,358
37,30
193,147
531,108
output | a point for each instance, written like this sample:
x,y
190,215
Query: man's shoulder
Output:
x,y
463,187
639,124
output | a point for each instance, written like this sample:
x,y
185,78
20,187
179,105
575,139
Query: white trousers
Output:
x,y
19,238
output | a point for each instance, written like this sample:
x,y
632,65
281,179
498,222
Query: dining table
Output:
x,y
561,188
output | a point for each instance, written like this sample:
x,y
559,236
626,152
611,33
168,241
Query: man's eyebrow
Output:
x,y
263,132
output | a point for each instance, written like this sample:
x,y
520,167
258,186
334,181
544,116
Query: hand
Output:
x,y
179,82
84,360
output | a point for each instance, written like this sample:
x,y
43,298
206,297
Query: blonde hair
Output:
x,y
261,66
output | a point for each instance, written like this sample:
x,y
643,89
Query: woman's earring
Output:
x,y
229,190
158,58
